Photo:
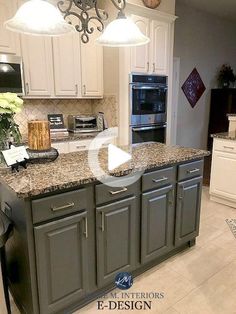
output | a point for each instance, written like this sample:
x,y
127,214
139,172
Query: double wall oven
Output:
x,y
148,101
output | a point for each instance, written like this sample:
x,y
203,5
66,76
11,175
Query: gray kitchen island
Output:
x,y
73,234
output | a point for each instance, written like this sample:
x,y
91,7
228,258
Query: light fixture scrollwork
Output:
x,y
67,8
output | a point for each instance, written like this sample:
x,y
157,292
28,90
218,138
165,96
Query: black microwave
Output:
x,y
11,74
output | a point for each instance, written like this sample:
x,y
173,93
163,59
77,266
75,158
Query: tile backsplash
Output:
x,y
40,108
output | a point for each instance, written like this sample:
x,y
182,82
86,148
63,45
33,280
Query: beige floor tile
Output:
x,y
197,265
215,296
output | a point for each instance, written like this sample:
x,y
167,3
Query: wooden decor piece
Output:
x,y
39,135
152,4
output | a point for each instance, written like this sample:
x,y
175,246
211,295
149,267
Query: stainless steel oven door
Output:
x,y
148,104
150,133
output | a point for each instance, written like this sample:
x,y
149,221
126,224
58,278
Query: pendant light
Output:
x,y
122,32
39,17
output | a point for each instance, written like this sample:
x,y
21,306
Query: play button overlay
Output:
x,y
116,157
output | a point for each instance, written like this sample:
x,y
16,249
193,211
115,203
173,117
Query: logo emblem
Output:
x,y
124,281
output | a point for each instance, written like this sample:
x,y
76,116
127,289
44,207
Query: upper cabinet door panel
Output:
x,y
159,47
140,55
38,66
92,65
66,55
9,41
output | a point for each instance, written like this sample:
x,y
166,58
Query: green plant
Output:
x,y
10,104
226,75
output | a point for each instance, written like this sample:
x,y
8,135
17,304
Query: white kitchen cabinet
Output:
x,y
38,65
66,60
92,66
159,47
140,55
154,57
62,147
9,41
223,172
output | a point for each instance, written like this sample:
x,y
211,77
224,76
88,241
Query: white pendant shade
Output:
x,y
38,17
122,32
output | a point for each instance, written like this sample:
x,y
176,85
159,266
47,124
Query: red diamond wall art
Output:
x,y
193,88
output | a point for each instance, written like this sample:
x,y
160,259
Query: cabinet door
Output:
x,y
188,210
38,65
9,41
61,255
223,174
92,66
140,55
159,47
158,211
116,239
66,57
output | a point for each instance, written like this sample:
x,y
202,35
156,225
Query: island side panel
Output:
x,y
20,252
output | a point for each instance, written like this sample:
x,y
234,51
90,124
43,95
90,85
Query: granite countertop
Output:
x,y
225,136
231,115
71,170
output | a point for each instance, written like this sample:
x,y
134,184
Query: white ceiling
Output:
x,y
222,8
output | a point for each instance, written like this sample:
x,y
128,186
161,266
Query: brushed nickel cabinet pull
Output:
x,y
118,192
86,227
103,222
228,147
160,180
76,89
84,88
27,88
148,65
69,205
172,195
154,67
82,146
193,170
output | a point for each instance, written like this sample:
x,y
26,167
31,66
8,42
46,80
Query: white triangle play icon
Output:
x,y
116,157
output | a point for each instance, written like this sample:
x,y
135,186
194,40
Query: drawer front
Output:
x,y
78,146
227,146
63,148
159,178
190,170
59,205
105,193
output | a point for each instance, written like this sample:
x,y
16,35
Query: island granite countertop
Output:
x,y
225,136
72,170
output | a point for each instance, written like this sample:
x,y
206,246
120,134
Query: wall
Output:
x,y
206,42
39,109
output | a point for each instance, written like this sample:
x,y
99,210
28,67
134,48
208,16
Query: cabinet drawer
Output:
x,y
78,146
105,193
58,205
63,147
190,170
158,178
227,146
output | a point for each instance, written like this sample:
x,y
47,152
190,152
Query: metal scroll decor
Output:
x,y
84,19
